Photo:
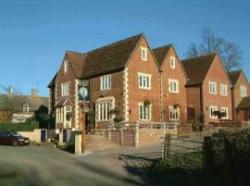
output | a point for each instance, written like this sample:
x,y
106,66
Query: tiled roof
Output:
x,y
52,82
234,76
16,102
107,59
196,68
244,104
161,52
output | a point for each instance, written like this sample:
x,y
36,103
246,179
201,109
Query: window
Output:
x,y
243,91
144,112
144,81
212,87
225,111
105,82
65,89
26,108
144,54
223,90
173,86
172,62
103,108
174,113
65,66
212,109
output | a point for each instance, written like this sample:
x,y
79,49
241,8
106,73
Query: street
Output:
x,y
47,165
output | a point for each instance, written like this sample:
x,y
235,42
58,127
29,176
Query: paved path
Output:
x,y
46,165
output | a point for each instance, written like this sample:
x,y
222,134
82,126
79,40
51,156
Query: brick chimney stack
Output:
x,y
34,93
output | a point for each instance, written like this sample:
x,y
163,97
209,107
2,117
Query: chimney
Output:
x,y
34,92
10,90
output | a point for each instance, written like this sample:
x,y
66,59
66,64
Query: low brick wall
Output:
x,y
184,129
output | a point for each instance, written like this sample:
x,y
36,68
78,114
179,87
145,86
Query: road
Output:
x,y
47,165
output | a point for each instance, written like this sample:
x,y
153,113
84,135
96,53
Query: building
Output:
x,y
18,108
173,95
118,82
208,89
240,95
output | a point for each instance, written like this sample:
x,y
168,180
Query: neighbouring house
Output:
x,y
240,95
18,108
208,89
243,110
119,82
173,95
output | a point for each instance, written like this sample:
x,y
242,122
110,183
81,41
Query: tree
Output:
x,y
229,52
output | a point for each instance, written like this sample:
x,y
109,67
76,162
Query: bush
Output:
x,y
13,127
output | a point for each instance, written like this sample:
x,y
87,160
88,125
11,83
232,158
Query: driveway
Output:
x,y
46,165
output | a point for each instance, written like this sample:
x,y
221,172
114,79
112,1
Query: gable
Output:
x,y
217,72
242,79
197,68
136,54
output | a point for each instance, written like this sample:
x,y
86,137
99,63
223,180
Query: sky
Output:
x,y
35,34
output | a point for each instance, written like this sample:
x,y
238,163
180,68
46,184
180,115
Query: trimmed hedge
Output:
x,y
27,126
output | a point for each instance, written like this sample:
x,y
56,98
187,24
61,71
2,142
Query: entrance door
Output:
x,y
190,113
247,115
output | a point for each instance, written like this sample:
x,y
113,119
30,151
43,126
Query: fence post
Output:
x,y
110,132
136,134
168,145
121,137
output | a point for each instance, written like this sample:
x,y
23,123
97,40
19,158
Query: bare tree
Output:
x,y
229,52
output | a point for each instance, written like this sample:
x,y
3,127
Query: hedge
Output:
x,y
26,126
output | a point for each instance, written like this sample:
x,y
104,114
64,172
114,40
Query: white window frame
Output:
x,y
214,108
174,113
172,62
65,66
142,115
144,53
223,90
243,91
170,86
65,88
144,81
225,109
106,82
26,108
212,86
103,107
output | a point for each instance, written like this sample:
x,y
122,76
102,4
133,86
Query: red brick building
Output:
x,y
119,81
240,95
173,96
208,89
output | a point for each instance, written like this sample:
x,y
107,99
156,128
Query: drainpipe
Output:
x,y
201,102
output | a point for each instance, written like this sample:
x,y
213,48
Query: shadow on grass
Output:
x,y
153,172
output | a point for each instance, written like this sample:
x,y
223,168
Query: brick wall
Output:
x,y
216,73
136,95
173,98
193,100
62,78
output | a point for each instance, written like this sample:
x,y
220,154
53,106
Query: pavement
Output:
x,y
47,165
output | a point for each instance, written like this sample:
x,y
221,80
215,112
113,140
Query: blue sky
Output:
x,y
35,34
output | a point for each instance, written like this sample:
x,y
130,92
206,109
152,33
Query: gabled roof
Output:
x,y
244,104
16,102
110,58
161,52
196,68
107,59
234,76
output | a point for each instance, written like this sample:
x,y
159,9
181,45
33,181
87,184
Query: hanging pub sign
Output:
x,y
83,90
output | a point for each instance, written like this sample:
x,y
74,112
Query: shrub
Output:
x,y
13,127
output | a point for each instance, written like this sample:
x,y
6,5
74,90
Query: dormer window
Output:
x,y
172,62
26,108
65,66
144,54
